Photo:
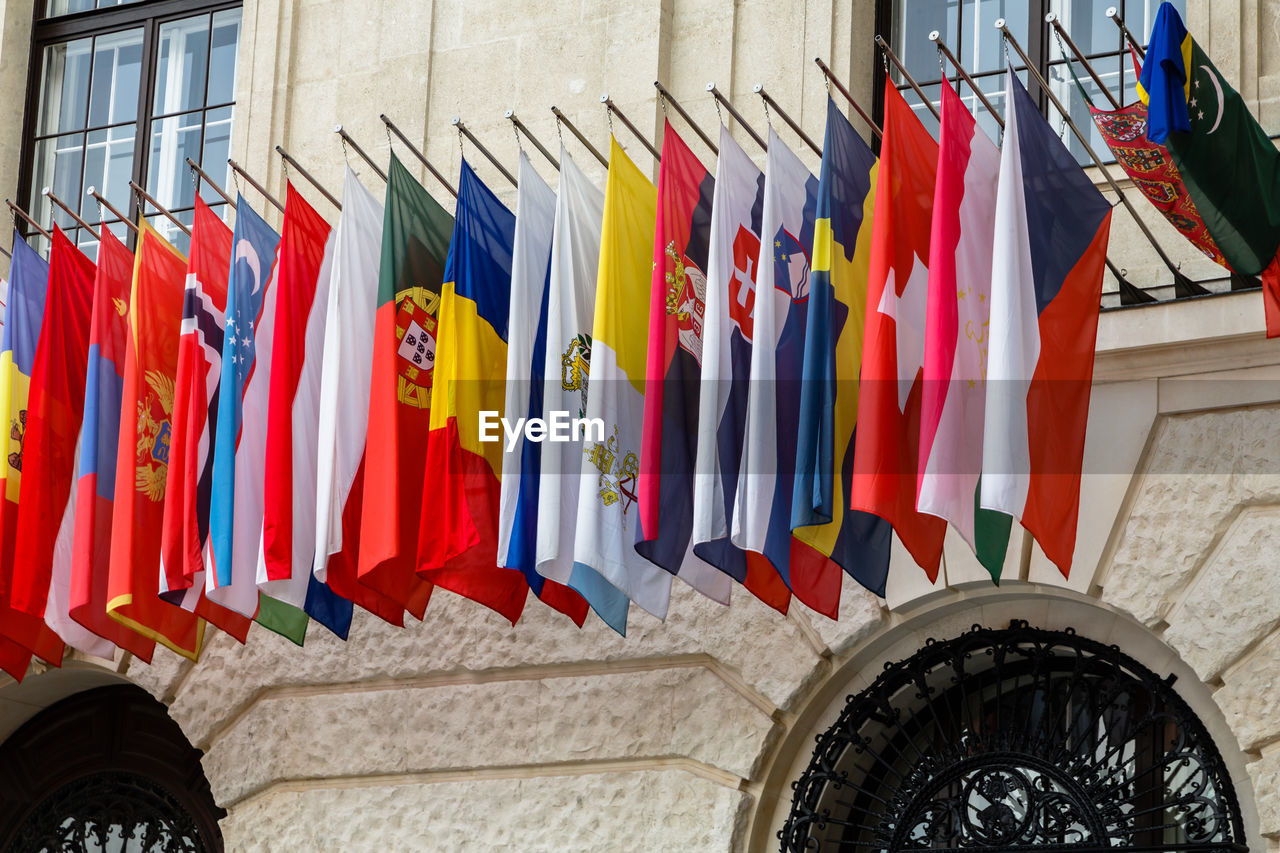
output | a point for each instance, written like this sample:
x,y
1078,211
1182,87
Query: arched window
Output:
x,y
105,770
1011,740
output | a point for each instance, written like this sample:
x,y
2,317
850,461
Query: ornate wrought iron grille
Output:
x,y
109,811
1016,739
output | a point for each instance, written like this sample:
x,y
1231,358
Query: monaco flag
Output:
x,y
1045,294
887,446
957,334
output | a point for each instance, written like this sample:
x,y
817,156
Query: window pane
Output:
x,y
117,61
58,164
992,86
1140,15
915,20
222,57
1064,87
217,148
54,8
108,167
171,232
983,50
1090,28
173,140
180,71
66,87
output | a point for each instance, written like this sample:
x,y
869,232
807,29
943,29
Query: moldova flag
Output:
x,y
1230,167
415,244
1046,285
99,433
673,371
54,411
837,538
458,550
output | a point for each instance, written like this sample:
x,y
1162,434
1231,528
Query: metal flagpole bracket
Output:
x,y
1179,280
612,109
195,167
721,100
906,75
161,209
237,169
463,131
49,194
284,155
832,80
520,128
27,219
1114,14
413,149
1063,36
562,119
675,105
347,140
103,203
782,114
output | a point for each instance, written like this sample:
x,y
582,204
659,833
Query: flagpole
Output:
x,y
204,176
1182,284
462,129
906,75
288,159
668,99
347,140
48,193
770,102
1114,14
737,116
145,196
101,200
835,81
564,119
511,116
1130,294
239,170
22,213
1052,20
936,38
611,107
422,158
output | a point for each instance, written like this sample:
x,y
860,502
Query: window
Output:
x,y
968,28
126,90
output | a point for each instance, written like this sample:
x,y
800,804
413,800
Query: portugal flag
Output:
x,y
415,243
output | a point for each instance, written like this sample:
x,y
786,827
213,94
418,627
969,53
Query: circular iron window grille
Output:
x,y
1015,739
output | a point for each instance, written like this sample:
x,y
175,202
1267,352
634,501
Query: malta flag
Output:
x,y
344,399
90,552
185,529
727,336
957,326
762,514
290,422
54,410
1045,291
571,300
415,244
831,538
526,360
677,309
887,448
604,543
28,286
458,550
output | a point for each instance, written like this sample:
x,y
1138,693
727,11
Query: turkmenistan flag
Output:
x,y
1230,167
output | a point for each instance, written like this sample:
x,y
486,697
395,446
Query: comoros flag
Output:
x,y
525,375
459,550
727,336
762,513
677,309
837,538
1045,292
90,552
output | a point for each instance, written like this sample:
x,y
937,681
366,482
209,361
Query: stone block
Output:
x,y
1250,693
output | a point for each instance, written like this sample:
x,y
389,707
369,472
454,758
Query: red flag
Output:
x,y
54,410
95,481
887,449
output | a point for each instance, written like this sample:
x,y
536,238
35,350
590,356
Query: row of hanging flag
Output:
x,y
787,370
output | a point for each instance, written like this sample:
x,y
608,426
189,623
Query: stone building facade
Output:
x,y
463,732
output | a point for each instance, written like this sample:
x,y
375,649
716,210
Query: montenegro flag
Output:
x,y
458,546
